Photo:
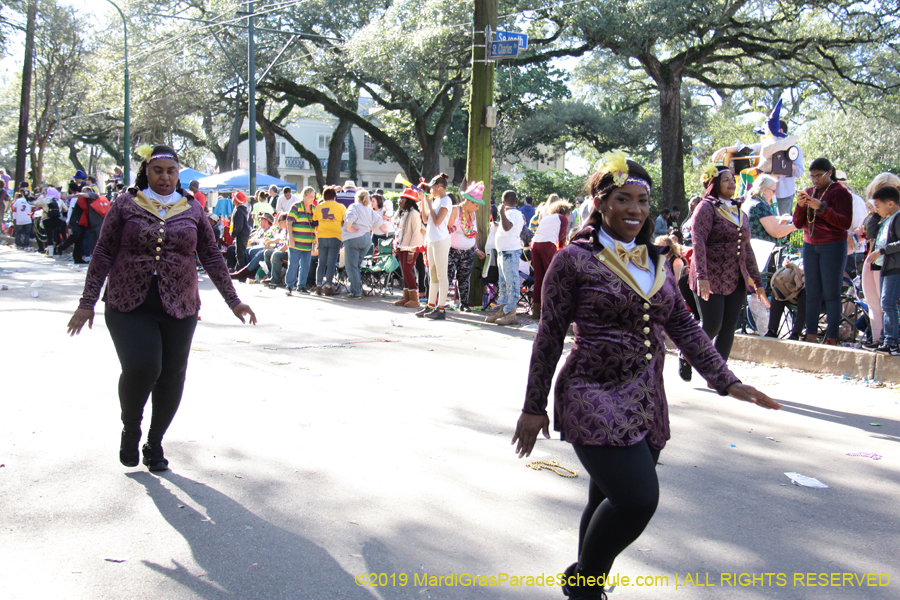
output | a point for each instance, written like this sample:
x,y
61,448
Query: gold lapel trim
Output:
x,y
727,215
153,207
610,258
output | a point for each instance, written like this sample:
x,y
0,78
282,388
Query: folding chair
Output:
x,y
380,270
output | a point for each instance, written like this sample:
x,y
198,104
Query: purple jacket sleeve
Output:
x,y
103,256
702,224
560,294
214,263
693,342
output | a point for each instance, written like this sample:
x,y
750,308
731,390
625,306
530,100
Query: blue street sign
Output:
x,y
508,49
503,36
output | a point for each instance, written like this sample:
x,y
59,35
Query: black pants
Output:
x,y
153,349
685,288
240,250
622,498
76,240
719,317
422,274
777,311
459,267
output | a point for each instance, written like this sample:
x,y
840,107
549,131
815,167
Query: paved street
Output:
x,y
343,437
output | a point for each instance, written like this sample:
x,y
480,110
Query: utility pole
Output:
x,y
481,101
251,108
25,100
127,153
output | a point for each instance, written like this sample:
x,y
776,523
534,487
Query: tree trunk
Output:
x,y
351,155
73,156
671,141
272,154
459,170
336,152
25,99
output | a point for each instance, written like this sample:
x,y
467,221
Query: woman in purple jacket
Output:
x,y
723,267
146,249
610,403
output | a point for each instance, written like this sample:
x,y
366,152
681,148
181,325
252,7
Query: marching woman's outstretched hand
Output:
x,y
527,431
748,393
81,316
242,309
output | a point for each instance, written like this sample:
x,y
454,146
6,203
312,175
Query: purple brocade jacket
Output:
x,y
133,244
722,251
610,391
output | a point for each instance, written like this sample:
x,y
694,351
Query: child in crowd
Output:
x,y
509,251
887,254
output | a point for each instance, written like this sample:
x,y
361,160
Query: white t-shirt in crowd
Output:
x,y
436,233
548,230
22,211
509,240
284,204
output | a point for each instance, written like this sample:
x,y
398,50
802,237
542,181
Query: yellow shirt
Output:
x,y
330,216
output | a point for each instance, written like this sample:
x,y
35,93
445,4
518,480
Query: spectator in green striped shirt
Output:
x,y
301,235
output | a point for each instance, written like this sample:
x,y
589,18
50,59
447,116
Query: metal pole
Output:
x,y
127,153
251,109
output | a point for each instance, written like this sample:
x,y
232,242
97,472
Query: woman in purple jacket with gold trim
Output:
x,y
609,402
146,256
723,267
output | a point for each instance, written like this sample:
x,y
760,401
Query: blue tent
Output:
x,y
240,180
187,175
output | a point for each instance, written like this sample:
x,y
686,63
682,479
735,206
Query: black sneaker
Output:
x,y
425,311
304,290
884,348
684,369
869,345
128,448
153,457
894,351
438,314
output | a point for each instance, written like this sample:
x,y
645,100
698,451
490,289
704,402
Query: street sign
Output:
x,y
503,36
508,49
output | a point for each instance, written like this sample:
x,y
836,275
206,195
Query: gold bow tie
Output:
x,y
637,256
732,208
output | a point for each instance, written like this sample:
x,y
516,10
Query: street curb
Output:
x,y
817,358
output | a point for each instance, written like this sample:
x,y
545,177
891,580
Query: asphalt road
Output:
x,y
344,437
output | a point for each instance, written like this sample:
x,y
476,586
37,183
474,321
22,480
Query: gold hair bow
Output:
x,y
638,256
144,151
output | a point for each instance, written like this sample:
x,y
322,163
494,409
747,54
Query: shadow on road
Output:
x,y
242,555
887,430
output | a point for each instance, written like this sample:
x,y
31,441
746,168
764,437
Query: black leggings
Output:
x,y
719,317
622,498
153,349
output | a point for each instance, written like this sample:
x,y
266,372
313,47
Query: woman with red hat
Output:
x,y
240,228
409,240
146,256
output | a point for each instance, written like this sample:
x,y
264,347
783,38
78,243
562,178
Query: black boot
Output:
x,y
581,592
128,448
153,456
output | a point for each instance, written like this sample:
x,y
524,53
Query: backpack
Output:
x,y
98,210
52,210
787,283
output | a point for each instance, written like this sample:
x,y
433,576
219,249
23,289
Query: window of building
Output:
x,y
376,185
398,186
323,141
369,147
283,150
365,184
